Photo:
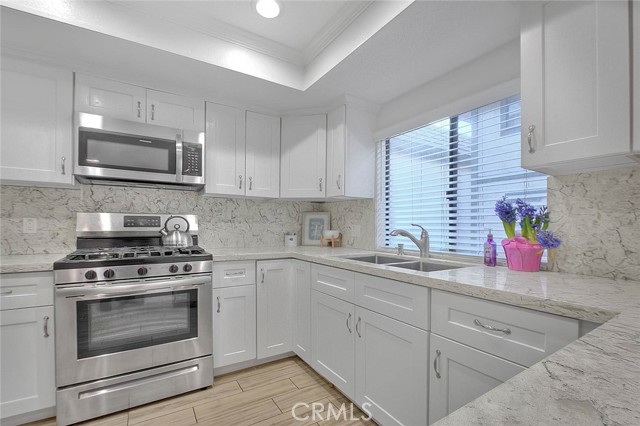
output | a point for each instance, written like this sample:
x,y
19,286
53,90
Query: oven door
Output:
x,y
106,329
119,149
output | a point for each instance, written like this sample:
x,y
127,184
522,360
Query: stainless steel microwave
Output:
x,y
124,152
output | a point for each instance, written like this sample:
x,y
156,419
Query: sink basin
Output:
x,y
424,266
403,262
376,258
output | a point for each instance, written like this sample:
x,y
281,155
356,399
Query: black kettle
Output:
x,y
176,237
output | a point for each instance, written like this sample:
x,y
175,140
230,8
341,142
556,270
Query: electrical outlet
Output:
x,y
355,231
29,225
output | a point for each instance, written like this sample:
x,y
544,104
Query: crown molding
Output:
x,y
222,31
347,14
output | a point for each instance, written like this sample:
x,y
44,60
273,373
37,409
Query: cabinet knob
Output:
x,y
320,182
153,112
530,137
63,163
240,185
339,181
436,366
139,108
218,304
250,183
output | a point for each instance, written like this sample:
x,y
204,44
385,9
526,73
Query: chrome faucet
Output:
x,y
422,243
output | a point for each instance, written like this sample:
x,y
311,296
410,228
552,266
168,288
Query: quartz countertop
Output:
x,y
592,381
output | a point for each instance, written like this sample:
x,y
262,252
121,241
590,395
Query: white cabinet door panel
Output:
x,y
275,308
167,109
234,325
391,369
28,360
302,309
110,98
459,374
304,156
37,141
225,146
263,155
333,345
336,148
572,92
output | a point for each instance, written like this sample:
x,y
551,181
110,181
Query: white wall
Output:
x,y
486,79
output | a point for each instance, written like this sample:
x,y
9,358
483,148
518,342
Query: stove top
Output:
x,y
111,256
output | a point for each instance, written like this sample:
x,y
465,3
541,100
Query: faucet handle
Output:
x,y
424,231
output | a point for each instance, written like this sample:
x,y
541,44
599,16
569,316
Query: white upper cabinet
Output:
x,y
225,145
37,141
304,155
110,98
350,153
262,155
575,76
134,103
167,109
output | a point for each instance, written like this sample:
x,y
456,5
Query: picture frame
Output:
x,y
313,223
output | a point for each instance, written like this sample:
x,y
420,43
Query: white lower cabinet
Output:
x,y
275,307
460,374
391,369
333,344
234,325
27,351
301,276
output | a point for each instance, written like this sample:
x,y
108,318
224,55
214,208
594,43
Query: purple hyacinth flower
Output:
x,y
547,240
505,210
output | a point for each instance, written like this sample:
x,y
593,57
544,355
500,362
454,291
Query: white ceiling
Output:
x,y
425,41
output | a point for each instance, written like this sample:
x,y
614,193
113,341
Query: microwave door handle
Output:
x,y
178,157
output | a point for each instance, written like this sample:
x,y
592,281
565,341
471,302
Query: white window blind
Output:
x,y
448,175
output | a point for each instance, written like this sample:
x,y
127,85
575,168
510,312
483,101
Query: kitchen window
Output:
x,y
447,176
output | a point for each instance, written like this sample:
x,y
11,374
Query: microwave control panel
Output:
x,y
191,159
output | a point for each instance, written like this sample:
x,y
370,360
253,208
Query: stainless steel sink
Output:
x,y
376,258
424,266
403,262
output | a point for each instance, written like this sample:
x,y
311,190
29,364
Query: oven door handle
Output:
x,y
91,291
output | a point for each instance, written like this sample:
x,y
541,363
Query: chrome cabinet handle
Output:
x,y
530,137
358,327
262,272
491,328
64,159
234,274
320,181
6,292
339,181
240,177
349,320
46,326
218,304
436,366
250,183
139,108
153,112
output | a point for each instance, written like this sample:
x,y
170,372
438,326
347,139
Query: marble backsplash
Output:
x,y
356,220
597,215
223,222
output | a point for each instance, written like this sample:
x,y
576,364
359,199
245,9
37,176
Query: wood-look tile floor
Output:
x,y
261,396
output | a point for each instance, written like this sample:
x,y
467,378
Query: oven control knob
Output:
x,y
109,273
90,275
173,269
187,268
142,271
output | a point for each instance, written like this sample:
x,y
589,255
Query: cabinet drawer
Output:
x,y
404,302
26,290
230,274
520,335
333,281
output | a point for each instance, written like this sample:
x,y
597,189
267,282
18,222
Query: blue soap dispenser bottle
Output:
x,y
490,250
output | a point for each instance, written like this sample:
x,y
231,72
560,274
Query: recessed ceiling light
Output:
x,y
268,8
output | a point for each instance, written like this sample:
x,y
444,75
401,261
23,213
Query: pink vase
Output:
x,y
522,255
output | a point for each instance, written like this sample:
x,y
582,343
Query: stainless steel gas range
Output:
x,y
134,318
